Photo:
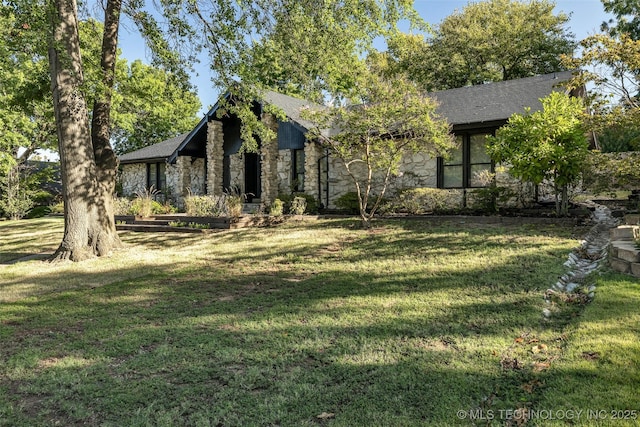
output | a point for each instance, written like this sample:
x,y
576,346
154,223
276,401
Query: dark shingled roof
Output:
x,y
499,100
488,103
292,107
159,151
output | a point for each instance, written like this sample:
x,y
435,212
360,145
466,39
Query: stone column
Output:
x,y
312,152
215,155
183,165
269,163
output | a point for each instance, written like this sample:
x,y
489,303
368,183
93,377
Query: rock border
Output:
x,y
585,260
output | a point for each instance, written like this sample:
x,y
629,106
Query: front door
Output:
x,y
252,183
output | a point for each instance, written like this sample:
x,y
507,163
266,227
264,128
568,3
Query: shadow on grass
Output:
x,y
273,335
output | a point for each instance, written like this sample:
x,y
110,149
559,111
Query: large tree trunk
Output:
x,y
82,225
105,158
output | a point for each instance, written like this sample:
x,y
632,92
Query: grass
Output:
x,y
308,324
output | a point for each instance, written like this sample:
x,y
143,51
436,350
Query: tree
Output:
x,y
226,28
393,119
610,65
87,161
486,41
626,18
150,107
550,144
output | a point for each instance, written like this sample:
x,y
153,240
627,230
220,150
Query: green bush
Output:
x,y
58,208
489,199
277,208
417,201
233,203
121,206
38,212
206,205
611,172
290,207
349,202
298,205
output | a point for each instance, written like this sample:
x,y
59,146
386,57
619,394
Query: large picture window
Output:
x,y
467,163
156,175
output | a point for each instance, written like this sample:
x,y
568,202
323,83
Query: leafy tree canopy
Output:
x,y
485,41
149,107
149,104
611,65
307,48
549,144
626,18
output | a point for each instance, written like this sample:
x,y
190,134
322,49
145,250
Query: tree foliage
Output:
x,y
610,65
149,107
549,144
606,173
305,48
393,119
486,41
227,29
626,18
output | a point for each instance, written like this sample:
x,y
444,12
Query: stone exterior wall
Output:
x,y
312,153
182,180
269,163
133,178
197,184
284,171
236,171
173,176
215,156
415,171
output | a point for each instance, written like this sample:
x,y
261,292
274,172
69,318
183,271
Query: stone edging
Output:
x,y
584,260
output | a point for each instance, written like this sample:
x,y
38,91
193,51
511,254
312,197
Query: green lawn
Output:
x,y
311,323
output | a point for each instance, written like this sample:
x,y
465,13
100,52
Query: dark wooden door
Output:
x,y
252,182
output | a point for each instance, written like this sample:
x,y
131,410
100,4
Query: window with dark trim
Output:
x,y
156,175
467,163
297,170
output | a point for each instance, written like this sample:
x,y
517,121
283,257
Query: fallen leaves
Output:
x,y
326,416
540,348
591,355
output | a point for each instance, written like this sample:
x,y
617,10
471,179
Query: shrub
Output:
x,y
144,203
277,208
298,205
121,206
489,197
417,201
234,204
349,202
606,173
58,208
38,212
311,204
206,205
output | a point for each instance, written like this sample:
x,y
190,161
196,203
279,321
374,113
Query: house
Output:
x,y
209,159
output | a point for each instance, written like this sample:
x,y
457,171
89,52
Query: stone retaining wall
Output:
x,y
624,253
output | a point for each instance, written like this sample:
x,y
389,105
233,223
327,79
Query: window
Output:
x,y
467,162
156,175
297,170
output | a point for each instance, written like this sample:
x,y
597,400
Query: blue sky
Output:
x,y
585,19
